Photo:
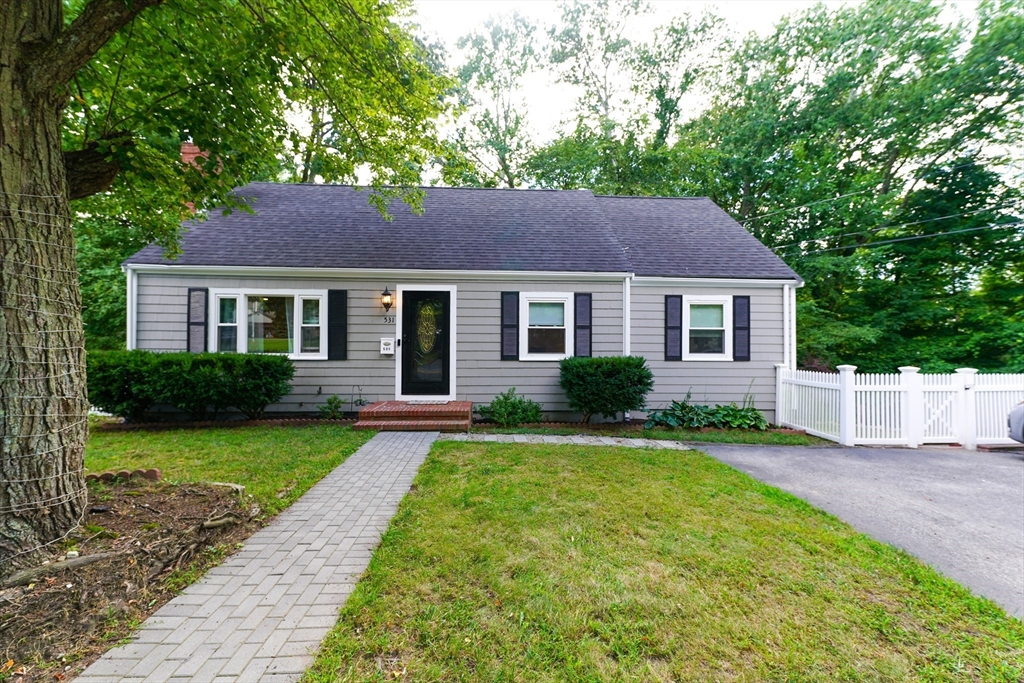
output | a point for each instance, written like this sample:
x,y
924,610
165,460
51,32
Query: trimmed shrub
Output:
x,y
691,416
120,382
510,410
193,382
128,383
254,382
607,385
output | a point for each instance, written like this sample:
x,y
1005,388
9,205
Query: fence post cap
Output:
x,y
967,371
781,365
909,369
846,368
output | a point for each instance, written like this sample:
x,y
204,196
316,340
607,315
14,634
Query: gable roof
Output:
x,y
688,237
334,226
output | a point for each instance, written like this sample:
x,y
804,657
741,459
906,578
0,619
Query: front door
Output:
x,y
425,338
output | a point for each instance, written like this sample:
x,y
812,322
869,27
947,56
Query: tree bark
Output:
x,y
89,171
43,405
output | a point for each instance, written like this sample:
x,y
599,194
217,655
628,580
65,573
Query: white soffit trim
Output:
x,y
257,271
646,281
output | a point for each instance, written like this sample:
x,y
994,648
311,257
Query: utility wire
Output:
x,y
992,226
878,228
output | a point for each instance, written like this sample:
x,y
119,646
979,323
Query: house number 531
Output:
x,y
389,320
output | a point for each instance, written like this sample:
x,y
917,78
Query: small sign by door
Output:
x,y
387,346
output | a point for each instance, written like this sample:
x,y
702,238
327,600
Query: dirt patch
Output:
x,y
158,538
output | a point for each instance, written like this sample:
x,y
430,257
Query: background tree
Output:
x,y
493,137
845,129
93,109
837,134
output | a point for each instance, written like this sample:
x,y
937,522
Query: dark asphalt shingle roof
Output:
x,y
334,226
688,237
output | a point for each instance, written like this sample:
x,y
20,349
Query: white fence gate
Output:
x,y
902,409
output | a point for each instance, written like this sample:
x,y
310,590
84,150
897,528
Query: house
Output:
x,y
486,289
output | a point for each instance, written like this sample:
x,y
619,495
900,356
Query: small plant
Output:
x,y
332,409
691,416
607,385
510,410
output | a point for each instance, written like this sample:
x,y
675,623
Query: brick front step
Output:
x,y
396,425
403,410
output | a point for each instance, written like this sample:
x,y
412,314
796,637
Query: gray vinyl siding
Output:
x,y
480,373
710,382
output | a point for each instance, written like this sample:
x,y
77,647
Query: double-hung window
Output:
x,y
287,323
546,325
707,325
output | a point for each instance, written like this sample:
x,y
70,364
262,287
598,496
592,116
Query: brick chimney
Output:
x,y
189,152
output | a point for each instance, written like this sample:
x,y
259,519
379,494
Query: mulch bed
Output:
x,y
161,537
631,426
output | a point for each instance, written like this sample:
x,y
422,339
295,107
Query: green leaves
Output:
x,y
238,79
690,416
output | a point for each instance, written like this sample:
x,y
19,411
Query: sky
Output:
x,y
551,103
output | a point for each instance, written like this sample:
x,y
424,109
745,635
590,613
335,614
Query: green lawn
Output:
x,y
275,464
770,437
512,562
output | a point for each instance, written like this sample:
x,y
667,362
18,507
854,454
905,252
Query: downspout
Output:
x,y
131,291
626,323
785,326
626,315
792,332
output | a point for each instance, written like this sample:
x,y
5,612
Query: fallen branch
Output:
x,y
27,576
223,520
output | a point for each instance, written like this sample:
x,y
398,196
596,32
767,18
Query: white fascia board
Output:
x,y
257,271
647,281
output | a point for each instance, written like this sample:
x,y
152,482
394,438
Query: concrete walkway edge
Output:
x,y
261,615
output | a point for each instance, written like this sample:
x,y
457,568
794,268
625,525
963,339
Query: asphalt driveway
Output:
x,y
961,512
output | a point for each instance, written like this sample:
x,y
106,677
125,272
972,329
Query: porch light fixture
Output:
x,y
385,299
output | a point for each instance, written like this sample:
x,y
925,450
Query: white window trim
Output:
x,y
400,291
726,303
525,298
241,316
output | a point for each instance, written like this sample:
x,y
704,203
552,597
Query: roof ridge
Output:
x,y
639,196
418,187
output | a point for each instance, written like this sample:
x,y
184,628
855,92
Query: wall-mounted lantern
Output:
x,y
385,299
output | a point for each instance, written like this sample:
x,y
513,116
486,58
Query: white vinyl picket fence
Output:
x,y
901,409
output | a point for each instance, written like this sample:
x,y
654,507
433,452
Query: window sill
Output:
x,y
708,357
543,357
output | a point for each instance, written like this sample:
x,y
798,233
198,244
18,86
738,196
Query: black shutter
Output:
x,y
581,343
196,319
510,325
741,328
337,324
673,327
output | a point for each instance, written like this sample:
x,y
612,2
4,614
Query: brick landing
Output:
x,y
261,615
403,416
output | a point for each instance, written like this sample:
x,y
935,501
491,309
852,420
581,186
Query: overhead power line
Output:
x,y
879,228
872,245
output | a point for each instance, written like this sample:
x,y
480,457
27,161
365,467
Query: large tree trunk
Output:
x,y
43,406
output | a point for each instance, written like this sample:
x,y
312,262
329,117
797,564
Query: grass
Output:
x,y
510,562
770,437
275,464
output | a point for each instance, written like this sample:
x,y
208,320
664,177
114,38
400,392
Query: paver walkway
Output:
x,y
261,615
575,440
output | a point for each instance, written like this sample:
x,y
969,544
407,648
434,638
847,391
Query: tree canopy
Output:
x,y
870,146
289,91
